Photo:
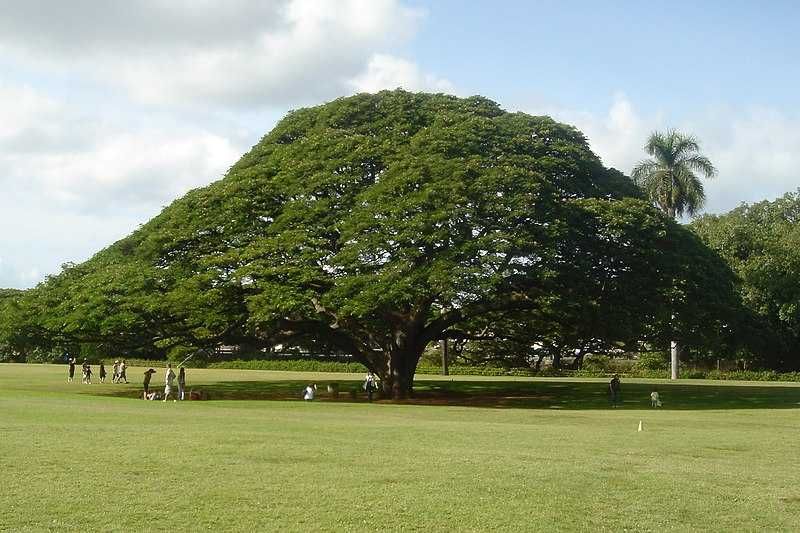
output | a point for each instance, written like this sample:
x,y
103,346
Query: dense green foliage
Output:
x,y
377,224
761,243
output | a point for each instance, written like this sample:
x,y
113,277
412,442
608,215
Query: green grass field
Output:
x,y
470,454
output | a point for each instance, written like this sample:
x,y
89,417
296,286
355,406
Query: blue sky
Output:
x,y
110,110
679,56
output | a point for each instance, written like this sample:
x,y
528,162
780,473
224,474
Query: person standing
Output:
x,y
370,385
102,372
615,390
72,362
123,368
115,375
169,377
88,373
181,382
148,374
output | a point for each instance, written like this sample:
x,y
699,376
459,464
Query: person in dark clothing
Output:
x,y
181,383
146,383
72,362
615,390
102,373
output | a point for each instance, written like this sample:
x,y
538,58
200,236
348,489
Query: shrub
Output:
x,y
652,361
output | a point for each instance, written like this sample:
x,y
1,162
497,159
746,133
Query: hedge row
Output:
x,y
312,365
305,365
291,365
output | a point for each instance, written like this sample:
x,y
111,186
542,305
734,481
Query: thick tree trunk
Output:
x,y
674,359
397,379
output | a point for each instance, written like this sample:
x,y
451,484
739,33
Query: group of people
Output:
x,y
169,383
370,385
86,371
120,372
120,376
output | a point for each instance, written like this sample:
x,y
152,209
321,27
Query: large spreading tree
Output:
x,y
377,224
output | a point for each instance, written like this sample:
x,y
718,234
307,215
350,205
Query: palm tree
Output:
x,y
670,180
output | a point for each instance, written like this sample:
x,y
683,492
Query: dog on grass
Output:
x,y
655,399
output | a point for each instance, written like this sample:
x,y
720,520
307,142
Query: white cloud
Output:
x,y
73,182
388,72
86,163
245,53
756,150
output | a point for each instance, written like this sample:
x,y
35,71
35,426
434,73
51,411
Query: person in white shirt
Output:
x,y
308,392
123,372
370,384
169,377
655,399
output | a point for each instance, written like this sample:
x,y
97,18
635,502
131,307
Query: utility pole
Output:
x,y
443,345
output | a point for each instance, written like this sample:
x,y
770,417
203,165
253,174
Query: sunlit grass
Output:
x,y
534,455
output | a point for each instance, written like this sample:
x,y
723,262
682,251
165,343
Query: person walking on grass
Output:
x,y
72,362
181,383
102,372
615,390
123,368
115,374
87,373
169,377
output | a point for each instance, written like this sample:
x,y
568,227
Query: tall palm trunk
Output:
x,y
673,349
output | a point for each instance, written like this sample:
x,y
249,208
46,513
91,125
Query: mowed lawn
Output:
x,y
469,454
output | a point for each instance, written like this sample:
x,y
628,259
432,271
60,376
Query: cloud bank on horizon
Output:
x,y
109,111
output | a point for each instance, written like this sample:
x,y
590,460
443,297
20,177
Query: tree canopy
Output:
x,y
761,243
376,224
